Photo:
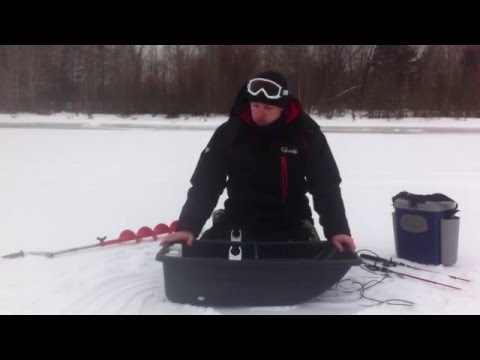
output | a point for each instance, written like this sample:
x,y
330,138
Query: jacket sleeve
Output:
x,y
323,182
208,182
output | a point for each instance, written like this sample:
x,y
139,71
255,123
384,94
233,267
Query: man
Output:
x,y
268,155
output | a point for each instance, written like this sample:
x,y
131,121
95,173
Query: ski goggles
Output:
x,y
270,88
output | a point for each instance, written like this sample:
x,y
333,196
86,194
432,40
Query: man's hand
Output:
x,y
183,236
343,242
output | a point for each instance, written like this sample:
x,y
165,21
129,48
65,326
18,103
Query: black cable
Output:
x,y
374,270
368,285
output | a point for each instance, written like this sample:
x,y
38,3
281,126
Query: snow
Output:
x,y
62,187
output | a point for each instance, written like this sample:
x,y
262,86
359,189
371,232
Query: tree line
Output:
x,y
373,80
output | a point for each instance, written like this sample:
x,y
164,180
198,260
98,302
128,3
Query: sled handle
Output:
x,y
329,254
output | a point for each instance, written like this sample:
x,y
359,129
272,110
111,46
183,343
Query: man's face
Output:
x,y
264,114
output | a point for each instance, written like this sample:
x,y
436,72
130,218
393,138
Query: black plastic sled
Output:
x,y
228,273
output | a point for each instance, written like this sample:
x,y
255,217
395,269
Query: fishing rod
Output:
x,y
387,262
387,270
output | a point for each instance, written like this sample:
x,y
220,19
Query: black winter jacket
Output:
x,y
267,172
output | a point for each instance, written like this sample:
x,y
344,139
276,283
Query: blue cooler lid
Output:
x,y
432,202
